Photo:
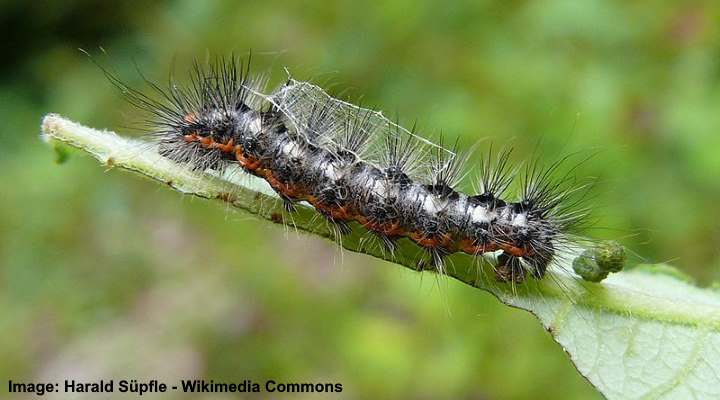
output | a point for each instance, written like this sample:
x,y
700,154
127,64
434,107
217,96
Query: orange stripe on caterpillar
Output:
x,y
342,213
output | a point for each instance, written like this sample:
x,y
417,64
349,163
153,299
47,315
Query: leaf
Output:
x,y
638,334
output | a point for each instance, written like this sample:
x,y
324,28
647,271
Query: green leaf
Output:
x,y
638,334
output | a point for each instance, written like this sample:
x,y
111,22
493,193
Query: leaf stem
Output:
x,y
622,293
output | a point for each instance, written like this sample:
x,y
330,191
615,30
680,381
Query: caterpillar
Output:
x,y
352,164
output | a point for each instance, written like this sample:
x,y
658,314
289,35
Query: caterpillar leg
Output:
x,y
341,227
509,269
538,264
388,243
289,205
436,260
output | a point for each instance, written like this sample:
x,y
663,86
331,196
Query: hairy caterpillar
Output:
x,y
353,164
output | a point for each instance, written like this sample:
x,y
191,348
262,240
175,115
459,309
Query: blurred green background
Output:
x,y
104,274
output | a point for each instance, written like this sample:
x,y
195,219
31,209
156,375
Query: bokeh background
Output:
x,y
104,274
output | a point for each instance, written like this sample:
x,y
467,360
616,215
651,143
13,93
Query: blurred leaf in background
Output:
x,y
103,274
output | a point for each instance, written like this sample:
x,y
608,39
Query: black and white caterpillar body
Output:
x,y
353,164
